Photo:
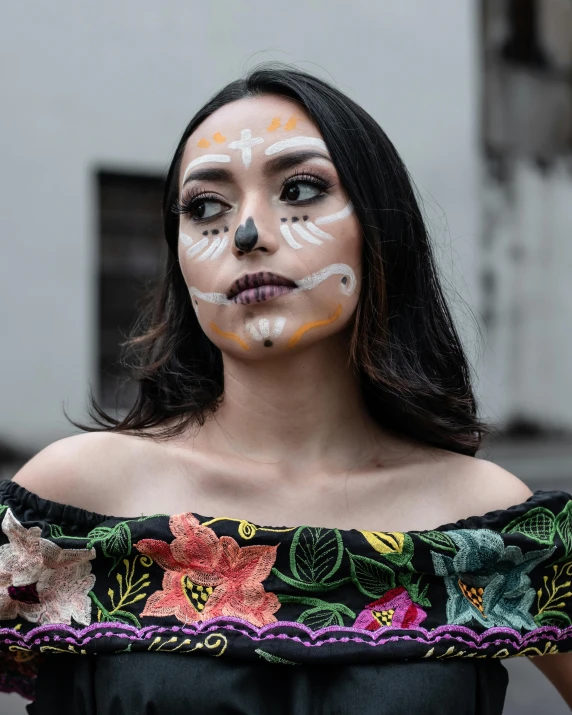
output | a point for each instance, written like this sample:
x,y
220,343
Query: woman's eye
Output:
x,y
206,208
301,191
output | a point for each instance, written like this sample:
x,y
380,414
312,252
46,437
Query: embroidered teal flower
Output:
x,y
487,581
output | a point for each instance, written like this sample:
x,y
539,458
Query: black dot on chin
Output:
x,y
344,280
294,219
283,219
215,232
226,229
305,217
205,233
268,343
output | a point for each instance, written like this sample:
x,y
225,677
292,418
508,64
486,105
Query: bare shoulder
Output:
x,y
477,486
76,470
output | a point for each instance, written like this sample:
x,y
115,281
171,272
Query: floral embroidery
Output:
x,y
207,576
39,580
395,609
487,581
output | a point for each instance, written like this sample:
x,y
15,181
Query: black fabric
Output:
x,y
154,683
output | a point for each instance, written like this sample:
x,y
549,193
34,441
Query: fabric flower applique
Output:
x,y
395,608
207,576
40,581
487,581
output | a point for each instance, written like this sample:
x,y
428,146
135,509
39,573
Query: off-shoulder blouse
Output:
x,y
186,613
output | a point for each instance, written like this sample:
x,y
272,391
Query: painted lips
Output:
x,y
258,287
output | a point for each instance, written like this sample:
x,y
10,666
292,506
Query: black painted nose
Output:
x,y
246,236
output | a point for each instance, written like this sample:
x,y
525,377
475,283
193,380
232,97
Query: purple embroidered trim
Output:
x,y
80,637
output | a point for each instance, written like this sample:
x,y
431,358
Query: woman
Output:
x,y
298,366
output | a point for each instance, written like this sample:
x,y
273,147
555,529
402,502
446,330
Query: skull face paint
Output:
x,y
244,219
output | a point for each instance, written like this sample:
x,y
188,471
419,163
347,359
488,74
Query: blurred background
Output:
x,y
475,94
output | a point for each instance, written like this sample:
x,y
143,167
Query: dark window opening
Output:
x,y
131,253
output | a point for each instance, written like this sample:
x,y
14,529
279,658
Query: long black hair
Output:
x,y
404,347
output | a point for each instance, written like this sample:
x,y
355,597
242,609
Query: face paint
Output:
x,y
245,144
290,124
220,158
274,125
347,284
203,143
246,235
295,141
266,329
229,336
314,324
219,138
338,216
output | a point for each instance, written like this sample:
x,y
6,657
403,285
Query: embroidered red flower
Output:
x,y
395,608
207,576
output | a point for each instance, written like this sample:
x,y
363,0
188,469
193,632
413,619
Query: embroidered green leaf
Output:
x,y
3,508
273,658
413,589
315,554
317,603
371,577
56,531
438,540
564,527
115,541
317,618
538,524
314,587
553,618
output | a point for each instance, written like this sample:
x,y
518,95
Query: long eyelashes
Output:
x,y
188,205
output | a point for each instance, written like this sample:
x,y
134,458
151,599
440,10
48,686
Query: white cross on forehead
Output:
x,y
245,144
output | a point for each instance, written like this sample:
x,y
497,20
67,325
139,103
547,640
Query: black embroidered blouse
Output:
x,y
186,613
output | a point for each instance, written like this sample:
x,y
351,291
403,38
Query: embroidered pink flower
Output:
x,y
39,580
395,608
207,576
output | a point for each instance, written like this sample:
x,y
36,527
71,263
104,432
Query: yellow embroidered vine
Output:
x,y
246,529
211,642
549,610
129,592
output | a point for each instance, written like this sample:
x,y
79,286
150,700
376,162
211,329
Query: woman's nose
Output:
x,y
257,233
246,236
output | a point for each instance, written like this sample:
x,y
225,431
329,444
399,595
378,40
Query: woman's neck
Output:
x,y
304,410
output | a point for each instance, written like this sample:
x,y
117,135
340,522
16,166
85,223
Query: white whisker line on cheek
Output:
x,y
346,211
290,240
254,334
198,247
220,158
186,240
295,141
215,298
318,231
220,250
210,250
306,235
342,269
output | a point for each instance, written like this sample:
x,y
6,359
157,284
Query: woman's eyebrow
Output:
x,y
208,174
287,161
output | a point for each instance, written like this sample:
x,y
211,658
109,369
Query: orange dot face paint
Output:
x,y
295,339
229,336
203,143
274,124
290,124
219,138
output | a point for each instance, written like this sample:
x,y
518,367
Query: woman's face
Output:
x,y
269,246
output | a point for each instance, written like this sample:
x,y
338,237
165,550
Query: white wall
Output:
x,y
114,83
